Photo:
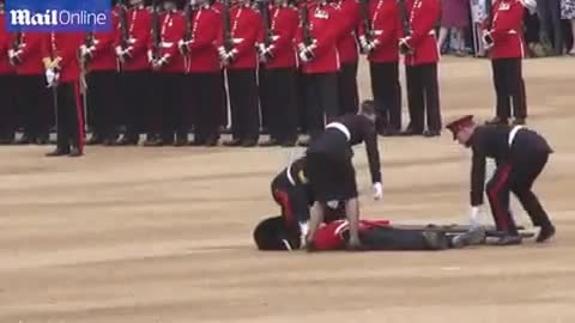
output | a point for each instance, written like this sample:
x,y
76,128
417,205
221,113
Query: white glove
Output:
x,y
370,46
404,46
377,191
159,63
85,51
52,77
475,216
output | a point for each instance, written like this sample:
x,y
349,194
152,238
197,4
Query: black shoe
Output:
x,y
389,132
127,141
180,142
75,152
289,143
211,142
197,143
497,121
25,140
153,142
41,140
509,240
270,143
411,132
518,122
57,153
233,143
95,140
249,143
545,233
304,142
109,142
431,133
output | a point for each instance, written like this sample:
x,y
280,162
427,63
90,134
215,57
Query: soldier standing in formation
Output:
x,y
349,56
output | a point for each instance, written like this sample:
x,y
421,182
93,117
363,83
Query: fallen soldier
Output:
x,y
274,234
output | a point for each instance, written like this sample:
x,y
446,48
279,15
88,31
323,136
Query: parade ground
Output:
x,y
164,234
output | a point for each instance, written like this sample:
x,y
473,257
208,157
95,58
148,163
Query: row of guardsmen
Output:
x,y
169,66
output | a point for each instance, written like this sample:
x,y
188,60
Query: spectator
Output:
x,y
549,13
568,12
455,17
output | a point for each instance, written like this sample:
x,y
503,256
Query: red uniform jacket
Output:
x,y
347,43
507,29
206,30
284,25
246,24
324,28
385,23
31,54
423,16
139,28
330,236
172,29
65,46
5,44
103,54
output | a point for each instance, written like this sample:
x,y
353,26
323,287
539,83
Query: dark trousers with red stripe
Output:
x,y
278,101
293,199
7,109
517,177
103,103
33,102
243,89
423,97
509,88
321,101
386,91
348,91
206,102
70,120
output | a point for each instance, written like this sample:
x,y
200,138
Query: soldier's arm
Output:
x,y
370,139
286,35
425,23
508,22
247,43
477,176
143,38
209,36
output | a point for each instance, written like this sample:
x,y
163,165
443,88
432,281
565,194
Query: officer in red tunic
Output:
x,y
503,37
349,56
25,55
381,44
203,66
421,56
60,58
170,66
317,50
7,81
278,78
131,51
239,56
100,59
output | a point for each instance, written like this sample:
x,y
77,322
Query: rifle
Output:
x,y
304,18
16,45
264,9
366,19
227,23
156,30
188,14
404,24
124,32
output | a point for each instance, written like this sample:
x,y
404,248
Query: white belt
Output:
x,y
512,32
290,178
340,127
431,33
166,45
512,134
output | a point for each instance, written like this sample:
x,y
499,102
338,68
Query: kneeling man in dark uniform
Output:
x,y
520,155
331,173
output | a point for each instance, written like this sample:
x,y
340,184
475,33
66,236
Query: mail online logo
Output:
x,y
59,15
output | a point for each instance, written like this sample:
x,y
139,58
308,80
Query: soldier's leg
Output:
x,y
347,86
517,89
432,105
289,124
250,108
314,113
379,90
415,100
497,190
329,101
234,86
392,75
7,119
502,102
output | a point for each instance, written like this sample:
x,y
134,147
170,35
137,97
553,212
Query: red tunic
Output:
x,y
423,16
206,29
246,25
31,54
330,236
324,28
384,18
347,43
172,29
65,46
103,54
507,29
284,25
5,45
139,28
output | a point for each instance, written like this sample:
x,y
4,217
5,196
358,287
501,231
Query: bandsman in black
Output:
x,y
330,170
520,155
